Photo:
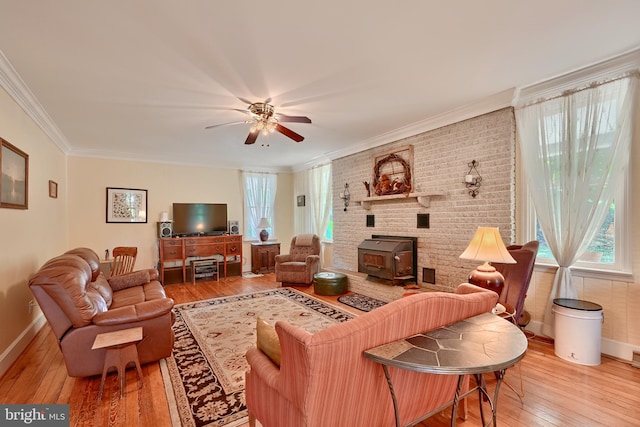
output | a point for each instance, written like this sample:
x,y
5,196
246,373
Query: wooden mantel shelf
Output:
x,y
423,199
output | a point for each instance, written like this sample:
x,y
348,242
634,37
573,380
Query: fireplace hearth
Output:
x,y
391,259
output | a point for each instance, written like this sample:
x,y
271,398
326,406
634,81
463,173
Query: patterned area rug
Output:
x,y
361,302
208,364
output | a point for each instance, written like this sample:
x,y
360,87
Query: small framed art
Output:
x,y
53,189
300,200
126,205
14,185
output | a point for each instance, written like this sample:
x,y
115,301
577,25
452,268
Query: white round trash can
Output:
x,y
578,329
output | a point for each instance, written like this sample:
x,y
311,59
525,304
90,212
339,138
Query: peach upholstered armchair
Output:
x,y
301,263
324,379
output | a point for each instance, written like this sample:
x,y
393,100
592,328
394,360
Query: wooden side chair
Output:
x,y
124,258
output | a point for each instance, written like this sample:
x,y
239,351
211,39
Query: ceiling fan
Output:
x,y
265,120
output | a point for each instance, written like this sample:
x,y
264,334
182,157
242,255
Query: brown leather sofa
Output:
x,y
80,303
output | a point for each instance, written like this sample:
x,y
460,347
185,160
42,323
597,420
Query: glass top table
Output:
x,y
474,346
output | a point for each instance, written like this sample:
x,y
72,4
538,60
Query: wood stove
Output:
x,y
391,258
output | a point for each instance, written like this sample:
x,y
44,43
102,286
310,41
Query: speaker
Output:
x,y
234,226
165,229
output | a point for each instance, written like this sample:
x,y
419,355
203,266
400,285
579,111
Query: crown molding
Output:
x,y
13,84
486,105
133,157
600,71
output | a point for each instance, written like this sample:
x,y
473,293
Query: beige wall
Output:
x,y
165,185
28,237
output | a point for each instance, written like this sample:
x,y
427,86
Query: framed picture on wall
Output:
x,y
53,189
300,200
14,185
126,205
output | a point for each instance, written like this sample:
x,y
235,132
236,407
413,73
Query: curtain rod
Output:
x,y
565,93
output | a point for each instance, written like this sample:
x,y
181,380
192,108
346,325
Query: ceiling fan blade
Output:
x,y
246,101
227,124
288,132
252,137
296,119
245,111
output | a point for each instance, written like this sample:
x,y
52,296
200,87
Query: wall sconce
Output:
x,y
473,182
345,196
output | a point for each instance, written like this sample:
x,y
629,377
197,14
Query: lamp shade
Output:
x,y
264,223
487,245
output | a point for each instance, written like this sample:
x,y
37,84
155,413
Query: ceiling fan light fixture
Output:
x,y
264,120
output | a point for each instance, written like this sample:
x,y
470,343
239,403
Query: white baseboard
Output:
x,y
18,345
617,349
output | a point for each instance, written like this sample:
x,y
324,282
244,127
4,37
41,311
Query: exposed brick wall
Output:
x,y
440,162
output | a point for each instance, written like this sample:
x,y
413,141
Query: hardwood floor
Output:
x,y
557,393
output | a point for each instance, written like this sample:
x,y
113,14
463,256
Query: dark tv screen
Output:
x,y
199,218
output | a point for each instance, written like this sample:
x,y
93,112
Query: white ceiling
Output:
x,y
142,79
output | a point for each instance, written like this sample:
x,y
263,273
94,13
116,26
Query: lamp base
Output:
x,y
264,236
486,276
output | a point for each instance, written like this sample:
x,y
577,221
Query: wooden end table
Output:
x,y
499,345
120,350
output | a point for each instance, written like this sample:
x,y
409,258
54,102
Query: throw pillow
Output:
x,y
129,280
267,341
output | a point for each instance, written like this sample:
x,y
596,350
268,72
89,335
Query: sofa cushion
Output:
x,y
101,285
304,240
267,340
137,294
134,313
294,266
129,280
90,257
153,290
128,296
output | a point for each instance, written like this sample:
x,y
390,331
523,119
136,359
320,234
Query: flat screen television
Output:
x,y
190,219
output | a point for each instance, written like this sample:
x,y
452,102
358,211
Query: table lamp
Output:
x,y
487,246
264,234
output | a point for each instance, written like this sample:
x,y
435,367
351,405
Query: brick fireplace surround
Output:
x,y
440,164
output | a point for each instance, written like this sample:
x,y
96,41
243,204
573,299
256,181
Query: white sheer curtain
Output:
x,y
576,148
320,197
259,201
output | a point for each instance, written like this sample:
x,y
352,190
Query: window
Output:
x,y
574,147
321,205
606,250
259,202
328,236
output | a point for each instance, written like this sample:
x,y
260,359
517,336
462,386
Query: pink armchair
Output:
x,y
301,263
325,380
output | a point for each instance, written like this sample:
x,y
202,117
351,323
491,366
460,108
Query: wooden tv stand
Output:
x,y
177,252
